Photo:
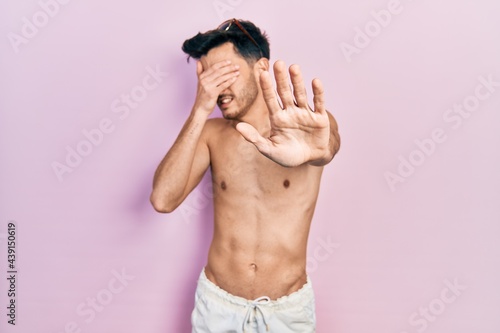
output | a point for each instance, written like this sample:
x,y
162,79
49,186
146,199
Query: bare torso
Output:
x,y
262,216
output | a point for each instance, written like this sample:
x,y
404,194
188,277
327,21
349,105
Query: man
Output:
x,y
266,159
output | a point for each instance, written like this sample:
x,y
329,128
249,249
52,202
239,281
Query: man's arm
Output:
x,y
185,163
183,166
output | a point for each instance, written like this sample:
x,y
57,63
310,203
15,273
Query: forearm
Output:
x,y
172,175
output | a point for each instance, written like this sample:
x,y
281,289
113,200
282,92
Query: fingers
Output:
x,y
252,135
299,89
212,80
319,96
282,84
214,72
226,81
219,76
268,92
288,98
199,68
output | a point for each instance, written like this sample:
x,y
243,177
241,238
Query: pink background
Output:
x,y
382,257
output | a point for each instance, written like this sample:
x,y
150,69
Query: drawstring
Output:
x,y
254,305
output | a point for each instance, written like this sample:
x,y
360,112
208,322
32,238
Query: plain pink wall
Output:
x,y
406,232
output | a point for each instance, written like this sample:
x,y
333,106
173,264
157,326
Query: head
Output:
x,y
251,54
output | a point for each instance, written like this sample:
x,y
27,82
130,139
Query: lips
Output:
x,y
224,100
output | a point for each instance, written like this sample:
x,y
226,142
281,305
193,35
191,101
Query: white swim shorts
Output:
x,y
217,311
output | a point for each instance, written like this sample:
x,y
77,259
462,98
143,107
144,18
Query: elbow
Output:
x,y
161,204
333,148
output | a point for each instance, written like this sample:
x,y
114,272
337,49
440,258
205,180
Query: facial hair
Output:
x,y
245,98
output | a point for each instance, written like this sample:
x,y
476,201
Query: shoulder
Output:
x,y
216,122
215,127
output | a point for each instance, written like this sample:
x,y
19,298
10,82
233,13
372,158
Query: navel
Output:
x,y
286,183
253,267
223,185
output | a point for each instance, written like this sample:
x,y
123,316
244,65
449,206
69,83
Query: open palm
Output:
x,y
298,133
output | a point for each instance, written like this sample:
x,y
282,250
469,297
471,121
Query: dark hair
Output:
x,y
202,43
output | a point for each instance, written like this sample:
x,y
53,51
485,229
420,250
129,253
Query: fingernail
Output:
x,y
236,66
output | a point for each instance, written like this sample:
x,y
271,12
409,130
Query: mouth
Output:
x,y
224,100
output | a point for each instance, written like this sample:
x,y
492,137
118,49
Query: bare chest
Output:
x,y
239,168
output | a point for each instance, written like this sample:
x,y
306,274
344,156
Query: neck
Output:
x,y
258,116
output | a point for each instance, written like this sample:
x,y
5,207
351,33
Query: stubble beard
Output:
x,y
246,99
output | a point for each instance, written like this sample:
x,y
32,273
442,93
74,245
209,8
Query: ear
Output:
x,y
261,65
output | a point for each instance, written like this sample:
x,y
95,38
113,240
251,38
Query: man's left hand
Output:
x,y
298,133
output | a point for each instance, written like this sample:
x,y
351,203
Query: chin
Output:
x,y
227,114
234,112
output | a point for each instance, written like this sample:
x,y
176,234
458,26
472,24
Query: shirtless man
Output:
x,y
266,159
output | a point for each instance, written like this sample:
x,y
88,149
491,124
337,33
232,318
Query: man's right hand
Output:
x,y
212,81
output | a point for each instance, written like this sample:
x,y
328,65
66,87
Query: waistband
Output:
x,y
304,294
